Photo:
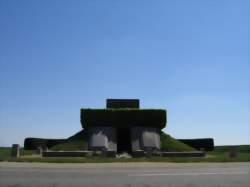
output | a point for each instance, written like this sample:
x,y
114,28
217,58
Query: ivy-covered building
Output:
x,y
123,127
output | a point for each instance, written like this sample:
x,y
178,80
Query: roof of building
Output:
x,y
122,103
126,117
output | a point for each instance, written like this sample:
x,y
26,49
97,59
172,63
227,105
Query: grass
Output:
x,y
73,145
168,143
77,142
242,157
5,153
81,135
219,155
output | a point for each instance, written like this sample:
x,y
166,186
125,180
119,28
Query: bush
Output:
x,y
123,117
81,135
5,153
228,148
170,144
203,143
122,103
34,143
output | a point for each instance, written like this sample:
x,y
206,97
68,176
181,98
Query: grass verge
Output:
x,y
242,157
213,156
168,143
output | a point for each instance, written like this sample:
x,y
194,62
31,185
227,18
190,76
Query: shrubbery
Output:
x,y
123,117
122,103
228,148
203,143
81,135
34,143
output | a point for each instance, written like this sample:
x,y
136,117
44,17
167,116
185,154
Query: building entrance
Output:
x,y
124,140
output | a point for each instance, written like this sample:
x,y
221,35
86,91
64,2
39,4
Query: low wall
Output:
x,y
183,154
66,153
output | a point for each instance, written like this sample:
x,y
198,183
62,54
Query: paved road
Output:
x,y
125,174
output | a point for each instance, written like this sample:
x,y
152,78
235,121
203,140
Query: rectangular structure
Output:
x,y
201,143
122,103
15,151
184,154
150,138
123,117
66,153
102,138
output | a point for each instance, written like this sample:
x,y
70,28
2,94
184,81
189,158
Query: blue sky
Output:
x,y
189,57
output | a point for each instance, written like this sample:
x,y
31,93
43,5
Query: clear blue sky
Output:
x,y
189,57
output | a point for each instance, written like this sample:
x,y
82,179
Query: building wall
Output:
x,y
145,138
102,138
142,138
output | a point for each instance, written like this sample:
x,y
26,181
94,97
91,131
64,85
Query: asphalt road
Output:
x,y
125,174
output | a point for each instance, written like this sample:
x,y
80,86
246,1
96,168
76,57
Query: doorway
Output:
x,y
124,140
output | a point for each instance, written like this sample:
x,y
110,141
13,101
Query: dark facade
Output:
x,y
123,126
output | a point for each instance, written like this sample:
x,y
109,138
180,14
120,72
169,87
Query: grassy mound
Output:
x,y
73,143
81,135
170,144
70,146
78,142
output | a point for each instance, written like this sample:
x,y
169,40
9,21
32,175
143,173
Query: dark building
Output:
x,y
123,126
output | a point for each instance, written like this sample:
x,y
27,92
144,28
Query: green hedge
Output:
x,y
81,135
34,143
122,103
123,117
202,143
228,148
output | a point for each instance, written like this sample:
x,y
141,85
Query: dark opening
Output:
x,y
123,140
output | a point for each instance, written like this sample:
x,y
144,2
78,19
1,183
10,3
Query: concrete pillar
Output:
x,y
145,138
150,139
112,140
39,150
136,133
233,152
15,151
102,139
45,149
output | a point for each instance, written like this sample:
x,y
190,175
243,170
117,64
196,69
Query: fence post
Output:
x,y
15,151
